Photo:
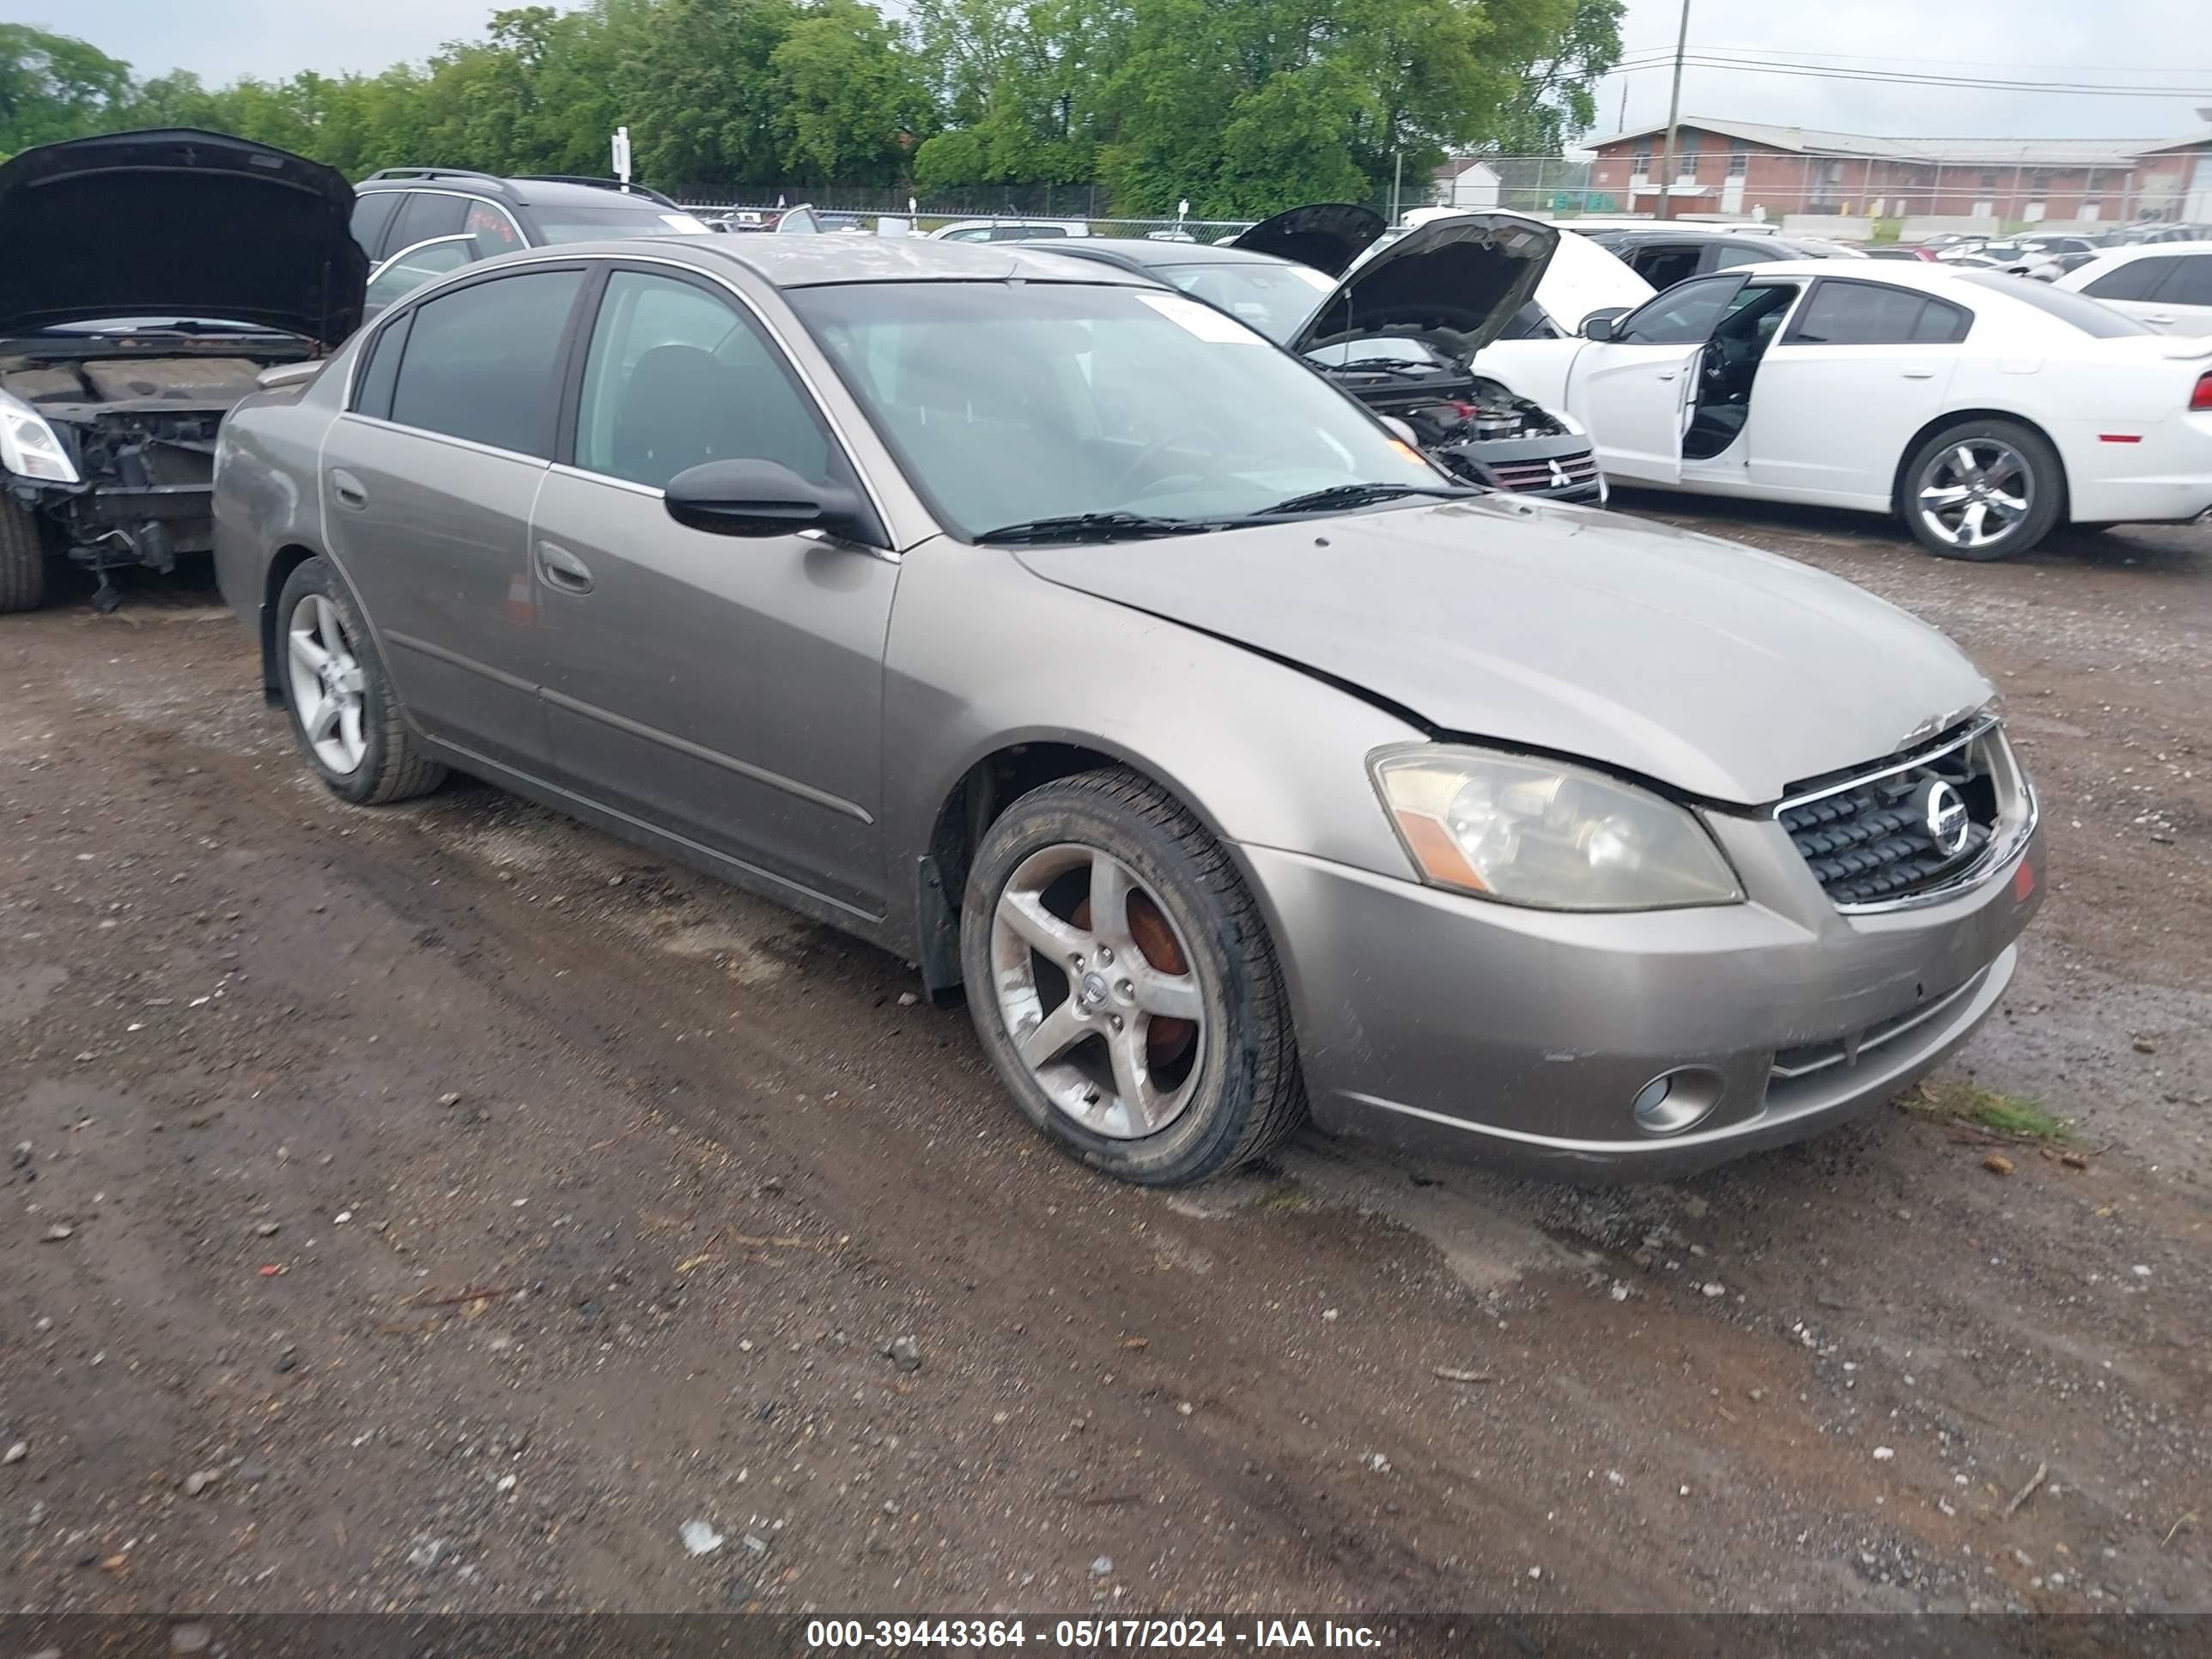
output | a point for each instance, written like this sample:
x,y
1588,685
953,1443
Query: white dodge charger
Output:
x,y
1981,409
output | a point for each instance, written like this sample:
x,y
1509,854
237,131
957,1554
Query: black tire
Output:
x,y
2046,501
22,560
391,768
1248,1093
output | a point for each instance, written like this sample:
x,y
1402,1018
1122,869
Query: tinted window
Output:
x,y
1867,314
1684,315
483,363
410,269
677,377
2138,279
617,220
2093,317
372,392
1530,323
493,227
1726,259
2192,283
426,215
372,216
1663,267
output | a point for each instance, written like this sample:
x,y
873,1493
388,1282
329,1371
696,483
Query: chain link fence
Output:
x,y
2057,185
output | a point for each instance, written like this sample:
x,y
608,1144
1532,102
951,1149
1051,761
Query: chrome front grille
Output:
x,y
1566,472
1914,825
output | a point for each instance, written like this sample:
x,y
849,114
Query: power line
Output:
x,y
1796,54
1817,72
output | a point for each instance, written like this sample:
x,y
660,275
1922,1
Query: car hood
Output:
x,y
178,223
1727,673
1584,277
1330,236
1454,282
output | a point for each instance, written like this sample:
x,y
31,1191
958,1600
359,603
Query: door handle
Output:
x,y
1919,373
2163,320
348,488
1667,374
559,569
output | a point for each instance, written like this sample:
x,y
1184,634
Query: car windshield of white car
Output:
x,y
2092,317
1011,404
1274,299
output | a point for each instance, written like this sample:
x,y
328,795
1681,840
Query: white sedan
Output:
x,y
1980,408
2165,284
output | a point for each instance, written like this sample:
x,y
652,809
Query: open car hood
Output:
x,y
1330,236
1455,283
178,223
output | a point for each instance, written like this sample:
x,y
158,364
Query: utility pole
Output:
x,y
1673,118
1397,176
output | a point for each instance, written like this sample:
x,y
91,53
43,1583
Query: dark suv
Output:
x,y
419,223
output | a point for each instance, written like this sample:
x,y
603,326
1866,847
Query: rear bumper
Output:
x,y
2164,478
1482,1030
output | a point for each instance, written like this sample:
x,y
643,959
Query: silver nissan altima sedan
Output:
x,y
1056,632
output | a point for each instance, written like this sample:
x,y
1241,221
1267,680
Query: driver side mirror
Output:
x,y
763,498
1604,325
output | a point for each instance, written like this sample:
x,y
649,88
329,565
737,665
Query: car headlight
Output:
x,y
1526,831
28,447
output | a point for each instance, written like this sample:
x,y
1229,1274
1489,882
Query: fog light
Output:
x,y
1673,1101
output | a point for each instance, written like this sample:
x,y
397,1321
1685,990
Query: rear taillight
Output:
x,y
2202,398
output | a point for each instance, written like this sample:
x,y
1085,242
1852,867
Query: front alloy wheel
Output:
x,y
1123,984
1094,985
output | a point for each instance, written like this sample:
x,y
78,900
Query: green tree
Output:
x,y
53,87
849,107
1553,98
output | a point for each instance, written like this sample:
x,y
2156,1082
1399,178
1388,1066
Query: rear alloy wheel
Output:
x,y
1123,985
343,712
22,560
1982,491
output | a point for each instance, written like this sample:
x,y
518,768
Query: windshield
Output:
x,y
567,223
1276,300
1011,402
2092,317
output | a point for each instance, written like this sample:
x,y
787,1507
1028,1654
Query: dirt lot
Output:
x,y
440,1207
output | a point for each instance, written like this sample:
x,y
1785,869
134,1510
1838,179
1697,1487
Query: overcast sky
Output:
x,y
2101,40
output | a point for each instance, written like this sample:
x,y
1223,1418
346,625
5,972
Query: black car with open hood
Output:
x,y
149,280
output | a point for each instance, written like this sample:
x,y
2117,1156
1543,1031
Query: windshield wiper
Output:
x,y
1341,497
1096,527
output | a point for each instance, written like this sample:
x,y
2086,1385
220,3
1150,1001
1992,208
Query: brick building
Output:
x,y
1740,166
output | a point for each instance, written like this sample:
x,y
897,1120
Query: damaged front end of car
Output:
x,y
115,456
152,278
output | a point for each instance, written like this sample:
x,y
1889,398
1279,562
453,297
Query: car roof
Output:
x,y
529,192
2120,256
1143,251
790,262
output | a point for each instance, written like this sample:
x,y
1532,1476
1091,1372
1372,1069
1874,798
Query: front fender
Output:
x,y
983,656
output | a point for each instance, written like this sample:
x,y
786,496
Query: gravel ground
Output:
x,y
446,1207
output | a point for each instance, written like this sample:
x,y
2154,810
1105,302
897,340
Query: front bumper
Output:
x,y
1451,1025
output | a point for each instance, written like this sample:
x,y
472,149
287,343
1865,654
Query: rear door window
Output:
x,y
2192,285
2138,279
493,227
372,217
483,363
1870,313
426,215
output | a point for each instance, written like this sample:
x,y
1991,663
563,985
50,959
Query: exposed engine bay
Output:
x,y
1480,412
139,432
